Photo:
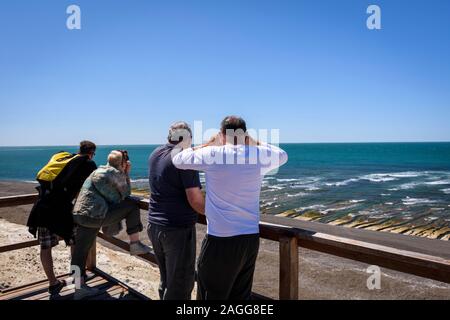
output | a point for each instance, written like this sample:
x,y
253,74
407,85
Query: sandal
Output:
x,y
56,288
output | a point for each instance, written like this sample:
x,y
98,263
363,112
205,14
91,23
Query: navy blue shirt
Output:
x,y
169,205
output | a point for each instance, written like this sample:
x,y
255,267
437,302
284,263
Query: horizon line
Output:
x,y
155,144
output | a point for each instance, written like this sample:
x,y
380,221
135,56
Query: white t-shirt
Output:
x,y
233,183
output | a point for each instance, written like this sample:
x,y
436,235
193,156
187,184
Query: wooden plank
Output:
x,y
89,274
41,291
138,295
67,290
13,201
110,288
24,290
274,232
288,268
113,293
106,289
427,266
17,246
28,285
431,267
150,257
38,285
102,285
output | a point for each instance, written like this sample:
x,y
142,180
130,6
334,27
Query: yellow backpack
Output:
x,y
54,167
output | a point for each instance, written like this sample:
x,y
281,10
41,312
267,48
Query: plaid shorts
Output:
x,y
46,239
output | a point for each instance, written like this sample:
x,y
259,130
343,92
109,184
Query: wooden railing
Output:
x,y
290,238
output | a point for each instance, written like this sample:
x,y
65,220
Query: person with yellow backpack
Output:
x,y
60,181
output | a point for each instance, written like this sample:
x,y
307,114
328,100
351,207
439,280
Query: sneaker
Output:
x,y
56,288
84,292
138,248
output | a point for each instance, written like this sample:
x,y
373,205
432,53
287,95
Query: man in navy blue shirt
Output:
x,y
175,201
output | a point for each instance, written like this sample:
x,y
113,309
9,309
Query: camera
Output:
x,y
125,156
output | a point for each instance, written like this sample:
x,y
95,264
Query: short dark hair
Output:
x,y
87,147
232,123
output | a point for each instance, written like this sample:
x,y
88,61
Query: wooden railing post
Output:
x,y
288,268
91,262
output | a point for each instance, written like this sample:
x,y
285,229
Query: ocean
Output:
x,y
395,187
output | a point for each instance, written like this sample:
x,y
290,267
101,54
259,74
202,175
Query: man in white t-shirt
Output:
x,y
234,166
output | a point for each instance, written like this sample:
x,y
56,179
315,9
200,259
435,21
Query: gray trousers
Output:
x,y
175,253
87,229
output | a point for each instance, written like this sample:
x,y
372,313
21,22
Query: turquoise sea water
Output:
x,y
397,187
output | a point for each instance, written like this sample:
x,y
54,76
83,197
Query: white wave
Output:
x,y
276,187
408,186
139,180
375,177
313,207
338,208
413,201
411,174
379,177
385,177
408,174
357,201
312,188
299,194
386,194
412,185
267,204
306,181
446,191
307,187
389,203
382,177
287,180
438,183
341,183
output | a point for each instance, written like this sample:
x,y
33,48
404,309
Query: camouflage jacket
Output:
x,y
105,186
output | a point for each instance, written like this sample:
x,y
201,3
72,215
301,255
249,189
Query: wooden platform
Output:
x,y
337,241
109,289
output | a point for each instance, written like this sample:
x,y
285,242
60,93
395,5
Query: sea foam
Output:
x,y
413,201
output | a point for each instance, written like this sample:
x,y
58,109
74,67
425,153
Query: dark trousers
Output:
x,y
87,229
226,266
175,253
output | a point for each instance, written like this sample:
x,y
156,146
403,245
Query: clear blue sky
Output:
x,y
310,68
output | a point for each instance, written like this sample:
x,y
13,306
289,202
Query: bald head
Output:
x,y
115,159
